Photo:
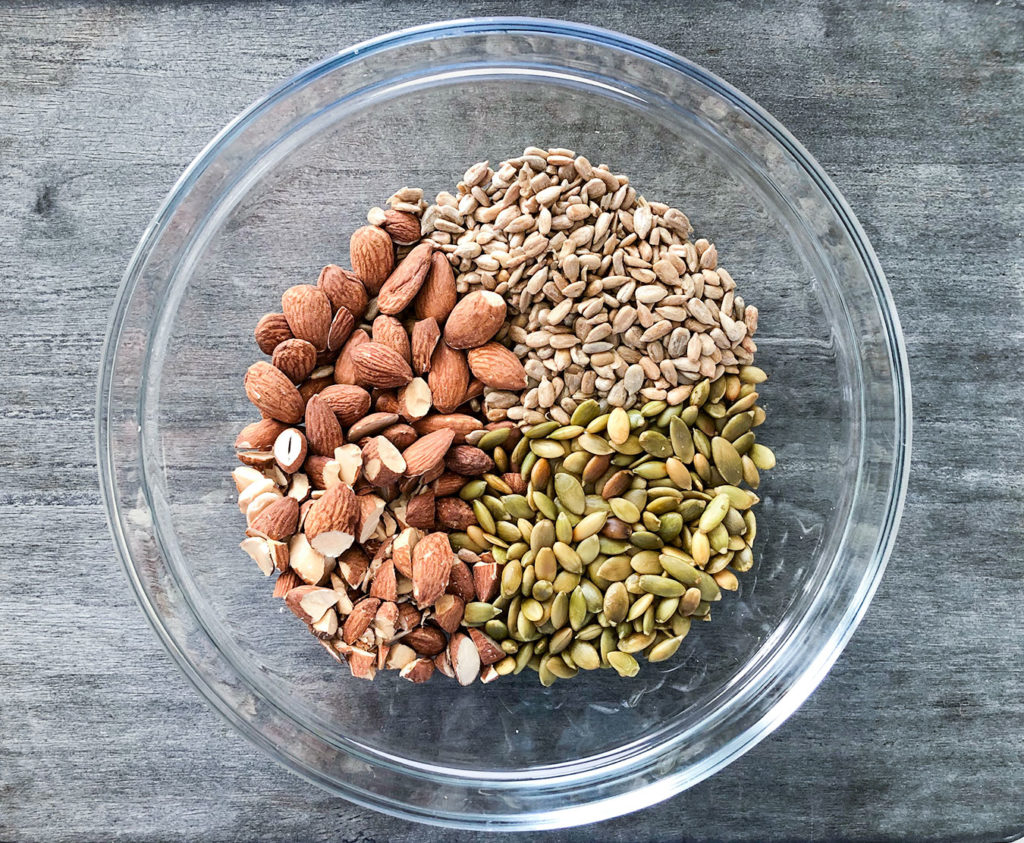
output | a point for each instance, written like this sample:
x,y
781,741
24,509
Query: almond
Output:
x,y
448,377
271,331
432,560
323,431
298,487
352,565
371,425
448,484
497,367
327,627
310,603
438,294
385,621
360,619
348,402
362,664
385,584
443,664
260,460
244,476
419,512
486,580
475,319
279,521
460,582
474,390
371,508
448,612
308,311
344,368
468,460
313,467
259,551
342,325
314,386
489,649
427,453
381,366
331,524
402,548
419,670
399,656
259,435
400,435
383,464
387,402
465,658
344,289
257,505
402,227
373,256
405,282
488,675
273,394
459,423
390,332
311,565
454,514
514,480
425,335
296,358
425,640
408,617
285,582
414,399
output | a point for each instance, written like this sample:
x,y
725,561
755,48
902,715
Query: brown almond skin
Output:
x,y
259,436
460,423
425,640
309,314
454,514
400,435
425,335
342,326
486,580
296,358
468,460
278,521
323,430
438,295
475,319
313,468
389,331
273,394
460,582
271,331
348,401
448,378
427,452
380,366
371,425
402,227
373,256
344,368
406,281
497,367
419,512
344,289
448,484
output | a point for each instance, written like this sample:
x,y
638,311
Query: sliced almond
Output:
x,y
311,566
385,622
327,626
465,658
254,490
298,487
370,509
258,549
418,671
244,476
402,548
310,603
290,449
399,656
350,463
383,463
414,399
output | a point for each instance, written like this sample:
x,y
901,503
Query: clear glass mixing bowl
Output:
x,y
274,197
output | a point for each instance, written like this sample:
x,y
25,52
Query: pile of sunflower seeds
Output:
x,y
608,297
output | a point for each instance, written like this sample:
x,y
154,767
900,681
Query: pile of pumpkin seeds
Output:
x,y
631,525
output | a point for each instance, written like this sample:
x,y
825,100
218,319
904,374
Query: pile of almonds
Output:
x,y
396,391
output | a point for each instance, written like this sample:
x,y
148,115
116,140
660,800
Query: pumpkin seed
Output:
x,y
664,649
656,444
714,513
635,642
493,438
477,613
497,484
661,586
623,663
588,548
616,603
545,505
539,431
594,444
569,491
727,460
586,412
589,525
646,540
560,640
473,489
618,427
576,462
547,448
577,609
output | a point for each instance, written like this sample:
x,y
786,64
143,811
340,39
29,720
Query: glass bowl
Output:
x,y
275,196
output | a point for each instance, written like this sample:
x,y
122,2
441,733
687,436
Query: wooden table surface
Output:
x,y
916,109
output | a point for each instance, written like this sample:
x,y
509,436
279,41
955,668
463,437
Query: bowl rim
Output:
x,y
809,675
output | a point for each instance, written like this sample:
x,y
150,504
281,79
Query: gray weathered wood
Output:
x,y
916,110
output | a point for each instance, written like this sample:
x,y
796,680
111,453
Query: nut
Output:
x,y
373,256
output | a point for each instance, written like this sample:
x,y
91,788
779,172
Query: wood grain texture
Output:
x,y
917,112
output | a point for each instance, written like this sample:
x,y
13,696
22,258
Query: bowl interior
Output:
x,y
283,224
277,197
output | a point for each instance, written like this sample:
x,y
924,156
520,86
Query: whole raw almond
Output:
x,y
271,330
259,436
390,332
448,484
344,289
427,453
359,620
341,329
296,358
468,460
344,368
432,560
475,319
419,512
448,377
323,430
401,226
373,256
497,367
425,640
308,311
406,280
454,513
460,424
348,401
380,366
438,294
273,393
400,435
425,335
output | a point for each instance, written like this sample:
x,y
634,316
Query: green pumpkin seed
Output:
x,y
585,655
635,642
586,412
496,629
560,610
671,527
477,614
547,678
516,506
589,525
616,603
529,578
497,484
588,549
542,591
737,426
752,374
528,464
539,431
569,491
560,640
640,605
577,609
651,470
661,586
607,645
618,427
631,447
493,438
743,560
547,448
615,569
508,532
483,516
727,460
645,562
570,431
751,522
750,475
613,547
473,489
598,423
664,649
714,513
566,581
662,504
523,657
744,443
656,444
568,558
545,505
623,663
576,462
646,540
594,444
592,594
687,574
624,510
666,608
544,564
